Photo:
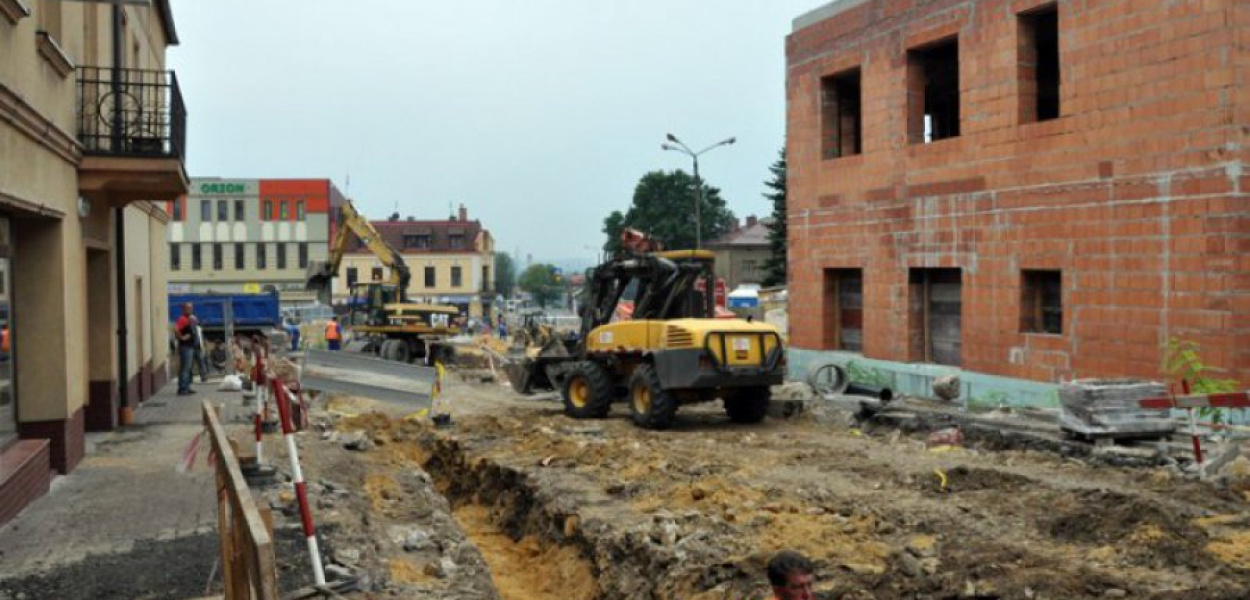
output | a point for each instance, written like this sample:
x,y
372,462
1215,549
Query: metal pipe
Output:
x,y
119,255
883,394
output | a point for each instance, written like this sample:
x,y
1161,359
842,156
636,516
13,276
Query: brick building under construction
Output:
x,y
1021,191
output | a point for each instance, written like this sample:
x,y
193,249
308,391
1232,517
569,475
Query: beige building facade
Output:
x,y
92,133
450,262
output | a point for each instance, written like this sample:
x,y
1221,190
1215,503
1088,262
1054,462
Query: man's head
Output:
x,y
186,308
790,574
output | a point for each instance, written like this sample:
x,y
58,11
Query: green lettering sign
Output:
x,y
222,188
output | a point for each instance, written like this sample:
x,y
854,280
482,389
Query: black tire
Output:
x,y
389,350
587,391
747,405
403,353
650,405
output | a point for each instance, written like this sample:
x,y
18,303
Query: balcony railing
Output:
x,y
131,113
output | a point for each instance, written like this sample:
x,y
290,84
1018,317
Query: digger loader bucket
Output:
x,y
318,276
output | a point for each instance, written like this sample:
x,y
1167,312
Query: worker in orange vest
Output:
x,y
790,574
334,336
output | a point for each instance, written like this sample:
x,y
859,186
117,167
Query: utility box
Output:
x,y
1110,408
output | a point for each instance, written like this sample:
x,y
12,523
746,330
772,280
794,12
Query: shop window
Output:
x,y
841,114
1041,302
933,92
456,277
1038,66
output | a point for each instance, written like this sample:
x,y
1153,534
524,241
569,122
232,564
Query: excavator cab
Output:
x,y
369,300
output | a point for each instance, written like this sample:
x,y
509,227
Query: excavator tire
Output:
x,y
748,405
587,391
390,349
650,405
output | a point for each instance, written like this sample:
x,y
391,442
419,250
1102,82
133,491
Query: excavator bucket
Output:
x,y
318,276
539,370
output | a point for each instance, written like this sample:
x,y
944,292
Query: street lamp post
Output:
x,y
678,146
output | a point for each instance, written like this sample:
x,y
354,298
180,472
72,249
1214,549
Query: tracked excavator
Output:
x,y
671,351
382,319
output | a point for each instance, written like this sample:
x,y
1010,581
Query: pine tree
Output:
x,y
775,267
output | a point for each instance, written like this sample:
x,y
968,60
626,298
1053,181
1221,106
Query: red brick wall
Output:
x,y
1139,192
25,474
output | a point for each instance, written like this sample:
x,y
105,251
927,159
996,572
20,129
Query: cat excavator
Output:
x,y
382,319
669,351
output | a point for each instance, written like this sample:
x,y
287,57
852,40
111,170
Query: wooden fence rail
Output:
x,y
248,566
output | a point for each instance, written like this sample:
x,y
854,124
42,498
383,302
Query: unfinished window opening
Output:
x,y
1038,66
933,92
841,114
844,309
935,308
1041,302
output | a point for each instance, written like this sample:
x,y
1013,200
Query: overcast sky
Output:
x,y
539,115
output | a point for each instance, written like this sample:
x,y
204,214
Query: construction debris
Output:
x,y
1109,408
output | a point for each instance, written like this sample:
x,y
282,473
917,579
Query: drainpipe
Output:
x,y
119,255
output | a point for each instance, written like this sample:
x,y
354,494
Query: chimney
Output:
x,y
464,213
394,217
751,221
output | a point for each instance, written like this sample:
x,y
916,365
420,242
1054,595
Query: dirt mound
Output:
x,y
1131,527
970,479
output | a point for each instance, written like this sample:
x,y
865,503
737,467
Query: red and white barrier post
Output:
x,y
1190,402
283,398
260,382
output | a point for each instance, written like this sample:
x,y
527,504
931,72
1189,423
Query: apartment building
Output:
x,y
450,261
92,138
250,235
1020,191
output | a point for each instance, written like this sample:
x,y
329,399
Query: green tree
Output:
x,y
505,274
775,267
663,206
542,282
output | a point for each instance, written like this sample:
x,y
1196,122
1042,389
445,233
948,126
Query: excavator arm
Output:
x,y
352,224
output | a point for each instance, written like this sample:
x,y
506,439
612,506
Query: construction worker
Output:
x,y
790,574
184,331
334,336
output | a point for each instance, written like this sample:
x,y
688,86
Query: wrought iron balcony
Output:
x,y
131,113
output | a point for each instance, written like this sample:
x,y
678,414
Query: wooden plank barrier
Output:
x,y
249,570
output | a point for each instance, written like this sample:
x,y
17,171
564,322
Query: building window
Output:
x,y
486,287
223,211
267,215
351,276
281,251
456,277
935,316
239,210
933,92
206,211
284,211
1041,302
300,213
217,258
175,257
179,206
303,255
1039,64
261,260
238,257
195,257
416,241
455,240
376,273
841,115
844,309
430,280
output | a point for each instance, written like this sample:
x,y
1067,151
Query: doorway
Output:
x,y
935,308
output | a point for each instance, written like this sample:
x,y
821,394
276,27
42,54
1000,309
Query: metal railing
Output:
x,y
131,112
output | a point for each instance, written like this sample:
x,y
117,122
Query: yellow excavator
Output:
x,y
670,349
382,319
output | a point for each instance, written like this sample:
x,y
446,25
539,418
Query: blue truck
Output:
x,y
251,313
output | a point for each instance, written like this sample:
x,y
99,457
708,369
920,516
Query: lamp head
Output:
x,y
673,138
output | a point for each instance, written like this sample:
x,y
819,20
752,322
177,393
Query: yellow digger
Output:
x,y
670,349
